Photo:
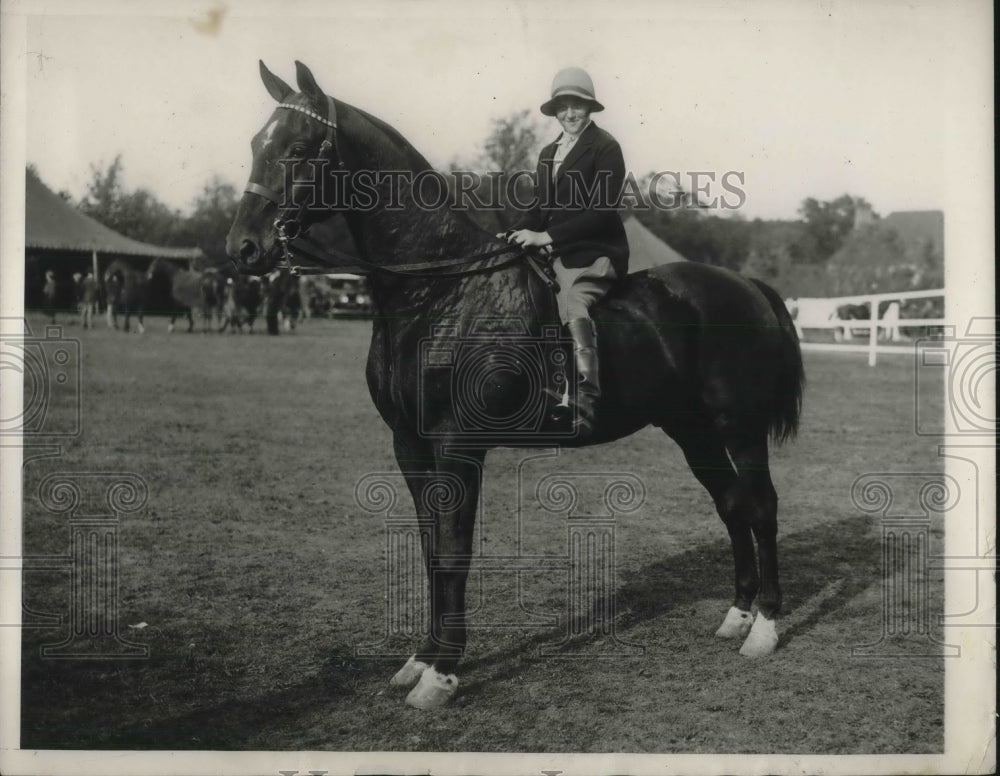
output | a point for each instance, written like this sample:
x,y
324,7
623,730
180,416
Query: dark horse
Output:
x,y
704,354
241,301
127,289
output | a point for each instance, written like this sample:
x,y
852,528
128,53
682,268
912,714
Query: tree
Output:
x,y
875,258
511,147
513,144
827,225
214,210
137,214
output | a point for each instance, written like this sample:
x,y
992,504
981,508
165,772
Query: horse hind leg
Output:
x,y
754,502
706,455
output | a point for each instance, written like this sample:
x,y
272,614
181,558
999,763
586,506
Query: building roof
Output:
x,y
54,224
646,250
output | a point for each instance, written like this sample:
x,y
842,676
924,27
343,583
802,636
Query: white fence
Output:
x,y
823,313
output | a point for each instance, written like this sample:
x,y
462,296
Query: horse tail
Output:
x,y
786,404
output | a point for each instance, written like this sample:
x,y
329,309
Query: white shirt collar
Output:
x,y
565,139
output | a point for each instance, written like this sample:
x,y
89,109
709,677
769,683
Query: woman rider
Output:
x,y
575,216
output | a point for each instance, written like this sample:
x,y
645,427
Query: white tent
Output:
x,y
646,250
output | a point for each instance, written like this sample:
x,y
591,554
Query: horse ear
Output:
x,y
275,86
308,85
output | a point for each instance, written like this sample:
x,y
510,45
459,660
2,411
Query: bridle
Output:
x,y
291,229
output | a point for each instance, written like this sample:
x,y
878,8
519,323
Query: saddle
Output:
x,y
543,287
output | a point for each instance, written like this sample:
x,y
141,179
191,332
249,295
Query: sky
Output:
x,y
812,99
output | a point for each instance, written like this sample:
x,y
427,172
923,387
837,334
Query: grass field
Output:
x,y
258,574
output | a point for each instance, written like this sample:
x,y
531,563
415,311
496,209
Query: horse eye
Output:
x,y
298,150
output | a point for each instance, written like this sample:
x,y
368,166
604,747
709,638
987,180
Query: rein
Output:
x,y
328,259
292,235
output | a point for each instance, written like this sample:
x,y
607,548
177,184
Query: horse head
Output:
x,y
297,143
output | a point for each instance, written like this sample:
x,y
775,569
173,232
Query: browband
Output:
x,y
330,122
329,142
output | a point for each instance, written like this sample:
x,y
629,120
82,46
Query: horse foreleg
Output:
x,y
455,498
415,460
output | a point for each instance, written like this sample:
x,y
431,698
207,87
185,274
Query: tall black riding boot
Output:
x,y
588,390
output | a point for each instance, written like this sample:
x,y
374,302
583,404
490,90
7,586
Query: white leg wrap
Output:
x,y
736,625
762,640
433,690
409,675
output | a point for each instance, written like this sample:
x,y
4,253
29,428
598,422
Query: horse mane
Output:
x,y
388,143
416,161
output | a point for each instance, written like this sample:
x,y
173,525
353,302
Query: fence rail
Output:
x,y
890,321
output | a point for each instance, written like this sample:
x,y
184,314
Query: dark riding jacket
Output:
x,y
583,203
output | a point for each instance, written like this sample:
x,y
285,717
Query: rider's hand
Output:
x,y
526,238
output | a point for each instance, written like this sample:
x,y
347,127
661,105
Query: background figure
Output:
x,y
272,301
49,292
88,300
113,284
291,301
78,291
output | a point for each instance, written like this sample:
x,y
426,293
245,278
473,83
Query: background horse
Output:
x,y
706,355
241,301
189,290
127,291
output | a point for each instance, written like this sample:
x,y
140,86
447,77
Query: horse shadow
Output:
x,y
844,556
831,563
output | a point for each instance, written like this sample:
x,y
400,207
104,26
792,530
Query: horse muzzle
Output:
x,y
250,257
